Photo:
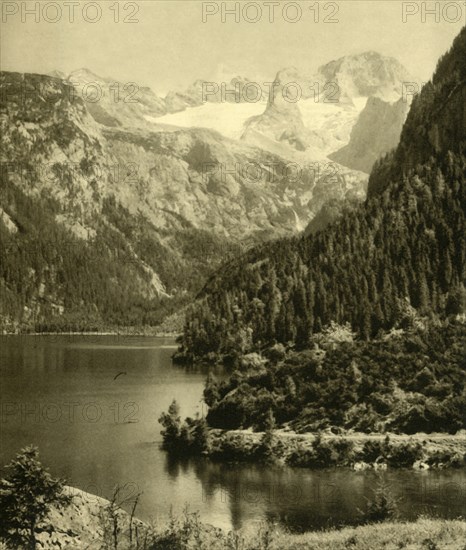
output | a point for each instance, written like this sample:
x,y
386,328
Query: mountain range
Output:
x,y
113,209
313,113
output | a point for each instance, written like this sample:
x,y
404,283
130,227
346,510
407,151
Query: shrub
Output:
x,y
235,448
323,453
372,450
343,450
171,422
447,459
404,455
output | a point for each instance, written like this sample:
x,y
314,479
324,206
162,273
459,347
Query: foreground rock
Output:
x,y
88,522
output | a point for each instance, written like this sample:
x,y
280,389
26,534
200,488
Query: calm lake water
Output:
x,y
91,404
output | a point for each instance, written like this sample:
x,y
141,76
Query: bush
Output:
x,y
447,459
323,453
171,422
235,448
373,450
404,455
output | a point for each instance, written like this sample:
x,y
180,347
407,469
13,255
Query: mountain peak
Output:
x,y
366,74
86,75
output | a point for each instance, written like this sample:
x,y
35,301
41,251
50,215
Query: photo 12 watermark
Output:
x,y
433,12
50,412
254,92
71,89
411,89
273,172
271,12
255,494
70,12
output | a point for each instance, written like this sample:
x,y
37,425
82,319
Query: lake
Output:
x,y
91,404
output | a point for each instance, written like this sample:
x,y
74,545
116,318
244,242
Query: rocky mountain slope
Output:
x,y
113,103
159,207
367,74
375,133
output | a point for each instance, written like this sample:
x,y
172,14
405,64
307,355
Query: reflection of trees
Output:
x,y
176,465
296,499
299,500
254,492
302,500
200,368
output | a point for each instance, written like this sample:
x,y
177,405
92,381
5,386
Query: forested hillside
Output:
x,y
51,279
404,247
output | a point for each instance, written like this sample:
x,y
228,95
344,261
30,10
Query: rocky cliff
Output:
x,y
375,133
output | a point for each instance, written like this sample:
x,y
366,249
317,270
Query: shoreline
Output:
x,y
94,333
90,520
353,450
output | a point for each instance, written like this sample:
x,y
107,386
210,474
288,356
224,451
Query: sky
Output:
x,y
169,44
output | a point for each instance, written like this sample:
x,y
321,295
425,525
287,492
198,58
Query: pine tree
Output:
x,y
26,495
171,422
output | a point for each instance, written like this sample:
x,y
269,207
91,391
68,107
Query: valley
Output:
x,y
234,311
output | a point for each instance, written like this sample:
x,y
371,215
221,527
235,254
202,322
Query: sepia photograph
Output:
x,y
233,275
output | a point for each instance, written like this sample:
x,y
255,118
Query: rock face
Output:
x,y
88,523
197,178
112,103
317,112
282,123
376,132
281,120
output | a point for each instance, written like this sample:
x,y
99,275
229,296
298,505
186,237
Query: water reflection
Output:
x,y
60,393
303,500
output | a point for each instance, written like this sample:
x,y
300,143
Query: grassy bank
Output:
x,y
89,522
425,534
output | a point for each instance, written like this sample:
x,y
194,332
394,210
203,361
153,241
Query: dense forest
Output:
x,y
405,245
97,283
412,380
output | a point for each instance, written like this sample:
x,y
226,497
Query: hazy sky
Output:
x,y
169,46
